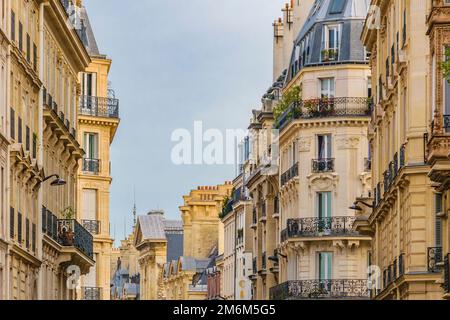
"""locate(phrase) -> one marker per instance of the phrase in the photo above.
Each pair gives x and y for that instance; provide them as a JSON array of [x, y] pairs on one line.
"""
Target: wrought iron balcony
[[91, 293], [326, 107], [434, 258], [49, 224], [322, 165], [321, 289], [289, 175], [318, 227], [72, 234], [93, 226], [91, 165], [99, 107]]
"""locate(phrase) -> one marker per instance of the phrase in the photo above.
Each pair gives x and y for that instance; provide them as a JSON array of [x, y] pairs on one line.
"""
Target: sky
[[176, 62]]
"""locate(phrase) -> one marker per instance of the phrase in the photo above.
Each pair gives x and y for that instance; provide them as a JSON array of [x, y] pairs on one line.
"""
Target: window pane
[[337, 6]]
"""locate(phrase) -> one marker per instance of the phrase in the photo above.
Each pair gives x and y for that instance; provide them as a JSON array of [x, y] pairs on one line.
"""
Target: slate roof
[[89, 38], [152, 227], [310, 41]]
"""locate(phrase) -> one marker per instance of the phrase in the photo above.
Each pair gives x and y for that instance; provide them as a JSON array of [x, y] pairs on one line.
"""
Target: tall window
[[89, 204], [324, 147], [324, 205], [91, 145], [89, 84], [438, 221], [327, 88], [446, 94], [325, 262], [331, 42]]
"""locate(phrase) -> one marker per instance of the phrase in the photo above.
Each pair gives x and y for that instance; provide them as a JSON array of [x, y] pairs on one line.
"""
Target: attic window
[[337, 6]]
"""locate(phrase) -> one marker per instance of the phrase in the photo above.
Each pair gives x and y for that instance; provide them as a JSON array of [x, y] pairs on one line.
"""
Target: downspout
[[235, 255], [8, 294], [40, 154]]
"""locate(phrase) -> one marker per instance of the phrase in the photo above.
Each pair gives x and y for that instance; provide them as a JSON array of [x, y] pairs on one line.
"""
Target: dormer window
[[331, 43], [337, 6]]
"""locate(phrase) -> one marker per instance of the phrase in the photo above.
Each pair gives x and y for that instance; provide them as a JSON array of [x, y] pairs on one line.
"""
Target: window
[[20, 36], [446, 94], [438, 221], [27, 233], [19, 227], [35, 57], [27, 138], [19, 130], [13, 124], [337, 6], [331, 43], [327, 88], [91, 145], [13, 26], [324, 205], [11, 223], [28, 48], [89, 204], [34, 145], [325, 261], [324, 147], [89, 84]]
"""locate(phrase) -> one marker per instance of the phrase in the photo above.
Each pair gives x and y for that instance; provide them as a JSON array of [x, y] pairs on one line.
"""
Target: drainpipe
[[40, 154], [8, 293]]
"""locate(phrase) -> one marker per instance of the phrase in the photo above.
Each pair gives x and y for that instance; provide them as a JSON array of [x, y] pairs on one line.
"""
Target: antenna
[[134, 207]]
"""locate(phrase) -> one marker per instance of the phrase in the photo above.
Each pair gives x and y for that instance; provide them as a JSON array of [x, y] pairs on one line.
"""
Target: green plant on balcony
[[289, 97], [68, 213], [445, 66], [226, 204], [329, 55]]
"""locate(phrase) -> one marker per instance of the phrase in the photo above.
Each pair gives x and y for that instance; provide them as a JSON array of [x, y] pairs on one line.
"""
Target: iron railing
[[91, 165], [326, 107], [317, 227], [72, 234], [434, 257], [322, 165], [99, 107], [290, 174], [91, 293], [49, 224], [93, 226], [321, 289]]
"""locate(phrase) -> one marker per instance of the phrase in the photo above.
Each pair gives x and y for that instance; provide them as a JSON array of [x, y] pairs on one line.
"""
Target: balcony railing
[[321, 289], [290, 174], [322, 165], [93, 226], [91, 293], [49, 224], [91, 165], [326, 107], [72, 234], [318, 227], [434, 258], [99, 107]]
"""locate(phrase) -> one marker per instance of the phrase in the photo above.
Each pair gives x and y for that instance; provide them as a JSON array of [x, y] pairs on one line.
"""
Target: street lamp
[[358, 208], [57, 182]]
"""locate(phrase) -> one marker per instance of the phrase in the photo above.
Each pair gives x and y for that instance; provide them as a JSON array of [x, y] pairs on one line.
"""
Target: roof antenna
[[134, 207]]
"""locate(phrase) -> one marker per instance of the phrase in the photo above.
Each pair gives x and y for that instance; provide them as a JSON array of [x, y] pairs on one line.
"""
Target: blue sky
[[176, 62]]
